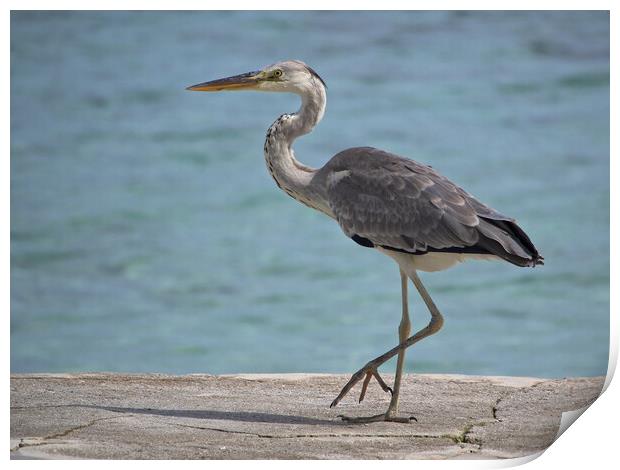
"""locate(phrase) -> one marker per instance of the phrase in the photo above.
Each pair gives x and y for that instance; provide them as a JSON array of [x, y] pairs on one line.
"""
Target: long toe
[[362, 419], [377, 418], [365, 373]]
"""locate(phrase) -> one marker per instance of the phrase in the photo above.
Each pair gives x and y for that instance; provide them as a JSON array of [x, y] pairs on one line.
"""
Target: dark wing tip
[[362, 241]]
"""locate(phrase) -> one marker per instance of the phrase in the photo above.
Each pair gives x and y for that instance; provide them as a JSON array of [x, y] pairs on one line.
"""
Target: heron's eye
[[277, 73]]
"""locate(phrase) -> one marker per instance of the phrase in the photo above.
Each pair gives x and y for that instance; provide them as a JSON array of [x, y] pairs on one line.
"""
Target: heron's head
[[292, 76]]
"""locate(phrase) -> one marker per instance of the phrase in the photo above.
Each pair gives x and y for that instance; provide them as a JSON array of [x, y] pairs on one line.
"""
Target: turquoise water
[[147, 235]]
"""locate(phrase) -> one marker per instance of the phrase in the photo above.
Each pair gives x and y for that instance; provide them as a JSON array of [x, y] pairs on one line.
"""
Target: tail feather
[[508, 241]]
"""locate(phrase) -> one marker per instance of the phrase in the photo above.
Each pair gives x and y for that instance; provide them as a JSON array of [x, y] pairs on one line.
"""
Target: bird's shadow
[[245, 416]]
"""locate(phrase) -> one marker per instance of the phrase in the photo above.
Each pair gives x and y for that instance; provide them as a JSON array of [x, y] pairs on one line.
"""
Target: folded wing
[[381, 199]]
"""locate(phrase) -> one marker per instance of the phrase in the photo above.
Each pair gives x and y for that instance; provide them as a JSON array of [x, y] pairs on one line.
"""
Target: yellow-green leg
[[404, 329], [371, 369]]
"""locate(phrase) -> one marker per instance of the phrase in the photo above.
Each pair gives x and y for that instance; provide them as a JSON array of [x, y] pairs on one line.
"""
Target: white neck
[[290, 175]]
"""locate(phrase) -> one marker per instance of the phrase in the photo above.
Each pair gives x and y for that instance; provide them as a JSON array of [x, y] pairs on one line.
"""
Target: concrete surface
[[116, 416]]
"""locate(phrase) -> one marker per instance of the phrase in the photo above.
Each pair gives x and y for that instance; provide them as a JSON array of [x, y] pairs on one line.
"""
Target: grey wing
[[393, 205], [380, 199]]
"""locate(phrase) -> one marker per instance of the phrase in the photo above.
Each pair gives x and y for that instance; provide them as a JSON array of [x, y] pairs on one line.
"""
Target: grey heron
[[402, 208]]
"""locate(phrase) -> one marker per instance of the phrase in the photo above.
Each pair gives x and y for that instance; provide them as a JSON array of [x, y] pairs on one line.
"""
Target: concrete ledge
[[284, 416]]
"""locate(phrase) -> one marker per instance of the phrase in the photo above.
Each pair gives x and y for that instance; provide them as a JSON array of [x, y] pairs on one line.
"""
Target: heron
[[402, 208]]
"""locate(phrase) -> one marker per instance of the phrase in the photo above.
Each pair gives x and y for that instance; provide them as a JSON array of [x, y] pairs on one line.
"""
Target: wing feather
[[399, 203], [381, 199]]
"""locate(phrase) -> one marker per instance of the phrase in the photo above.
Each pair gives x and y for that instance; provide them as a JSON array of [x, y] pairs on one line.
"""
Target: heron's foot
[[377, 418], [367, 372]]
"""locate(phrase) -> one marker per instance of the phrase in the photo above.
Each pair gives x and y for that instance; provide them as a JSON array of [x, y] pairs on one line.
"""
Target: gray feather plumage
[[402, 204]]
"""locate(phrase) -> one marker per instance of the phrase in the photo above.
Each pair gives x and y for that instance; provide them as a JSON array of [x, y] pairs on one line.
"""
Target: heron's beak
[[245, 81]]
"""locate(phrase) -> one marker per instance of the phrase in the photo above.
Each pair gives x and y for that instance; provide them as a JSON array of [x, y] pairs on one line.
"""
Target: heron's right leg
[[433, 327], [404, 329]]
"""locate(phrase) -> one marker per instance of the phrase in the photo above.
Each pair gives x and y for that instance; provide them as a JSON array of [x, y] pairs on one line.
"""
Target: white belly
[[431, 261]]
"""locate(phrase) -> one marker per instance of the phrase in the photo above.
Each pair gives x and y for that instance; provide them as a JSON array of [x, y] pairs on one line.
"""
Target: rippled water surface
[[147, 235]]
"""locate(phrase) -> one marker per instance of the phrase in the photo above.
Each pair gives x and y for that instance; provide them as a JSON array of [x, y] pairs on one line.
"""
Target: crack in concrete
[[43, 440], [495, 407], [38, 406], [463, 436], [19, 444], [502, 396], [452, 437]]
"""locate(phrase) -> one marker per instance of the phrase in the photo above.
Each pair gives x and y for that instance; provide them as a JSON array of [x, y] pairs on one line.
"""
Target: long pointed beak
[[245, 81]]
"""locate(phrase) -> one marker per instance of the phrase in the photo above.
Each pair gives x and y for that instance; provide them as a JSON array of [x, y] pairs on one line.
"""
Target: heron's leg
[[404, 329], [433, 326]]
